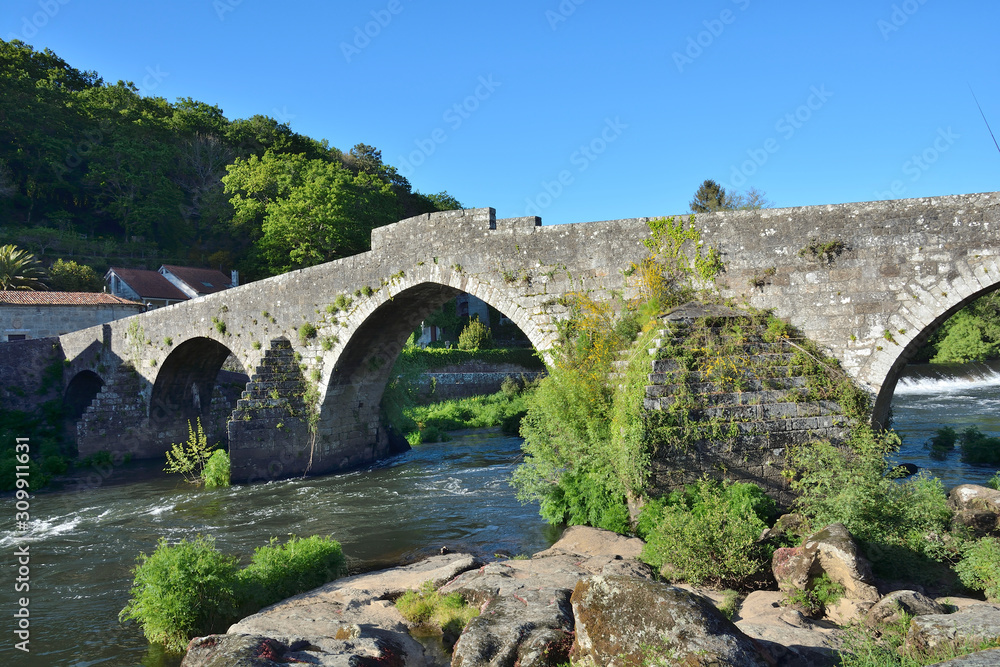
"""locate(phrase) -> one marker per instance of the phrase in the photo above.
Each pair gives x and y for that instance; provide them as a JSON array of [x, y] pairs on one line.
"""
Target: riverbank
[[589, 599]]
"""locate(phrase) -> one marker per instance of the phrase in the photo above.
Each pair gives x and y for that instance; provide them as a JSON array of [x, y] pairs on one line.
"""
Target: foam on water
[[977, 379]]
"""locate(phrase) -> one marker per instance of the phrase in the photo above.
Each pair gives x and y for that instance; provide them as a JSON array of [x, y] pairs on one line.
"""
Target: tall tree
[[710, 197], [19, 270]]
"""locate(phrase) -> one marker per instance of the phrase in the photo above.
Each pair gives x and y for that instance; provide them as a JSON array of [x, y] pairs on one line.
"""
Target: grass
[[427, 608]]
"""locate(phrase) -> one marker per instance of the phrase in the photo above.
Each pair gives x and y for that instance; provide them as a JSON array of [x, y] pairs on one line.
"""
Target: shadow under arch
[[80, 393], [350, 410], [185, 383], [883, 401]]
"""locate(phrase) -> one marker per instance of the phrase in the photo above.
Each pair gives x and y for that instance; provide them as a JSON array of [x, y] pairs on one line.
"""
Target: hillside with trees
[[95, 173]]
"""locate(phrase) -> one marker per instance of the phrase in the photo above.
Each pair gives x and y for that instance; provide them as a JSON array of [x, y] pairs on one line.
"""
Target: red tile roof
[[150, 284], [203, 281], [28, 298]]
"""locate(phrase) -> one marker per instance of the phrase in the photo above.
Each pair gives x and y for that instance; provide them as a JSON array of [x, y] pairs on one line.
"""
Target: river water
[[84, 543], [928, 397]]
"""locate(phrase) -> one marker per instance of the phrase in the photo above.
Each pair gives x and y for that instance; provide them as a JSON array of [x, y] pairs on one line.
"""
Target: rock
[[239, 650], [889, 608], [787, 524], [987, 658], [791, 638], [526, 614], [350, 618], [976, 623], [510, 631], [625, 620], [831, 551], [977, 507]]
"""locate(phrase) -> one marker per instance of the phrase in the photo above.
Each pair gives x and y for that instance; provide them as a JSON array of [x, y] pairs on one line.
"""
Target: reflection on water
[[83, 545], [930, 396]]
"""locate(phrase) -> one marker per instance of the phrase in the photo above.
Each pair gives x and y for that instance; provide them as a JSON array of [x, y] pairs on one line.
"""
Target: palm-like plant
[[19, 270]]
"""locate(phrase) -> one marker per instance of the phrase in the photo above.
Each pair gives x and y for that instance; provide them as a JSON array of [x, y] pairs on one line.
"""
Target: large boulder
[[831, 551], [976, 507], [891, 607], [627, 620], [934, 632], [988, 658], [239, 650], [526, 618]]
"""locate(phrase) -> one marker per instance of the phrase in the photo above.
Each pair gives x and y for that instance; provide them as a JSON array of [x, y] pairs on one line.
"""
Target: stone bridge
[[869, 282]]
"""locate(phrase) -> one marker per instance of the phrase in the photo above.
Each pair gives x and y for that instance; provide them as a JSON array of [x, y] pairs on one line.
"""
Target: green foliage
[[190, 458], [943, 442], [903, 525], [72, 277], [190, 588], [475, 336], [709, 197], [216, 472], [994, 481], [428, 423], [979, 568], [278, 571], [709, 534], [20, 270], [824, 252], [306, 333], [183, 590], [979, 448], [971, 334], [821, 593], [863, 648], [220, 325], [427, 607]]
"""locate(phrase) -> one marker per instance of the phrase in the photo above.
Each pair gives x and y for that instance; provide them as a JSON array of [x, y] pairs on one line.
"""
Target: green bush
[[943, 442], [994, 481], [979, 568], [278, 571], [582, 499], [217, 470], [821, 593], [709, 533], [190, 588], [191, 458], [447, 613], [979, 448], [183, 590], [475, 336], [900, 524], [306, 333]]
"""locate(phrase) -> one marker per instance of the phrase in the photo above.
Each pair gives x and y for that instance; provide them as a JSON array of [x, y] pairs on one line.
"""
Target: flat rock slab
[[791, 638], [976, 623], [350, 618], [987, 658]]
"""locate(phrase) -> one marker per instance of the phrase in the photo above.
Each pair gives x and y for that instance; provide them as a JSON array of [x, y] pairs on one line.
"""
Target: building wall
[[43, 321]]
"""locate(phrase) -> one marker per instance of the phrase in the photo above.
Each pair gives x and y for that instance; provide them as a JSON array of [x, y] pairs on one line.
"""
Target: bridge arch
[[922, 311], [80, 393], [185, 382], [351, 389]]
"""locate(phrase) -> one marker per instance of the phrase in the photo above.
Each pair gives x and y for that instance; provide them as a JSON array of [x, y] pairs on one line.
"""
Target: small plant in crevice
[[821, 594], [429, 609], [220, 326], [824, 252], [306, 333]]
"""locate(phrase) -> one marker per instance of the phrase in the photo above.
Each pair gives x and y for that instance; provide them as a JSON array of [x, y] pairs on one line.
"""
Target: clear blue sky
[[630, 104]]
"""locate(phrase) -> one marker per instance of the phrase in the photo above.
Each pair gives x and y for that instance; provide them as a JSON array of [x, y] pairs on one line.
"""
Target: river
[[83, 543], [455, 494]]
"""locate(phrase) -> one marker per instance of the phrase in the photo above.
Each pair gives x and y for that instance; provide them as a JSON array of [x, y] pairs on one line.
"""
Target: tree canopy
[[19, 270], [711, 196], [97, 172]]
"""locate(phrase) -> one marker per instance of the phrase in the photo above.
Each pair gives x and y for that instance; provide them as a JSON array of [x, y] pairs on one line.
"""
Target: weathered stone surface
[[239, 650], [791, 638], [526, 613], [834, 552], [976, 623], [977, 507], [349, 619], [889, 608], [786, 524], [987, 658], [620, 620]]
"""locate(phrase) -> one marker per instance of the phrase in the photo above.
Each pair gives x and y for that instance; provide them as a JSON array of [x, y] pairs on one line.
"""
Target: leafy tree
[[310, 211], [72, 277], [19, 270], [709, 197], [751, 200], [442, 201]]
